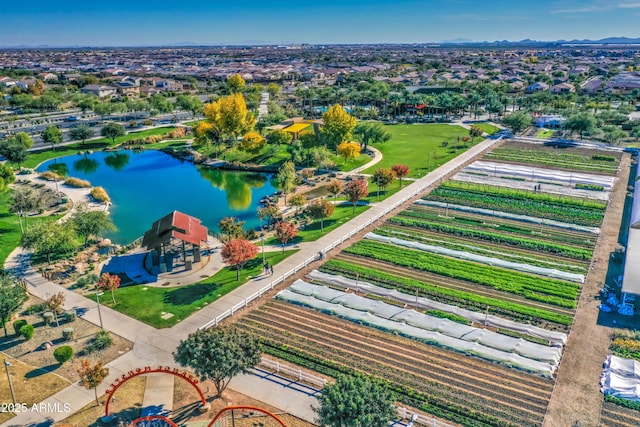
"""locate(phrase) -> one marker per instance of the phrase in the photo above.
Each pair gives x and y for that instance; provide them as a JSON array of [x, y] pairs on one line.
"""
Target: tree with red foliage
[[401, 171], [237, 252], [356, 190], [285, 231], [109, 282]]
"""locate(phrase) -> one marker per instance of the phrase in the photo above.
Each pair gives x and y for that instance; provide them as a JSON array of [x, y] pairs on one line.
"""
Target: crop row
[[581, 215], [525, 195], [494, 237], [562, 160], [455, 398], [551, 291], [531, 258], [464, 299]]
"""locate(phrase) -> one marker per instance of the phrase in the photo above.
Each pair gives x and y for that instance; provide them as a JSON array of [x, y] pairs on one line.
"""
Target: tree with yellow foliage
[[229, 116], [252, 141], [236, 83], [338, 126], [348, 150]]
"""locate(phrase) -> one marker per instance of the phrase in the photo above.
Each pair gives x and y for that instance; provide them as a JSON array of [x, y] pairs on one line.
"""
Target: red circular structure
[[135, 422], [251, 408], [149, 370]]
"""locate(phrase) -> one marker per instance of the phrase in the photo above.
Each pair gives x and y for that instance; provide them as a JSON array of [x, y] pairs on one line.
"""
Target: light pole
[[13, 395], [99, 313], [262, 237]]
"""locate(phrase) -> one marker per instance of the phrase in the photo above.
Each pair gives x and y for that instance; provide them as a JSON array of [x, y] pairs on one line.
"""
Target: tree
[[15, 153], [401, 171], [271, 213], [355, 401], [635, 132], [238, 252], [92, 376], [383, 177], [23, 201], [229, 116], [348, 150], [49, 238], [286, 178], [356, 190], [230, 228], [581, 123], [103, 109], [236, 83], [338, 125], [91, 223], [320, 209], [6, 174], [335, 187], [51, 135], [82, 132], [219, 354], [273, 89], [285, 231], [474, 131], [613, 134], [112, 130], [370, 133], [191, 104], [252, 141], [109, 282], [55, 302], [12, 296], [517, 121], [278, 137], [23, 139], [298, 200], [321, 157]]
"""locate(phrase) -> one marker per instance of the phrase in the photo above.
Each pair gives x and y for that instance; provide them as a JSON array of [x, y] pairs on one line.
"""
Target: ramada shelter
[[174, 240]]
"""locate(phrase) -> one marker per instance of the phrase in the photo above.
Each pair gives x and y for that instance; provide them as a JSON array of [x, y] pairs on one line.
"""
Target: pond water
[[144, 186]]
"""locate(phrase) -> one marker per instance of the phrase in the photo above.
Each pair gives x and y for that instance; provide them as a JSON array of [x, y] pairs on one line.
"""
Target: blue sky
[[131, 23]]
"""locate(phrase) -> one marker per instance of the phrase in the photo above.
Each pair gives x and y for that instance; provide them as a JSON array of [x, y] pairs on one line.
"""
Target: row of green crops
[[495, 237], [464, 299], [418, 235], [525, 195], [550, 291], [575, 214], [581, 162]]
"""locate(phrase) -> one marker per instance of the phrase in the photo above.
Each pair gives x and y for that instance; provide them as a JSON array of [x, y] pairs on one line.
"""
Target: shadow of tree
[[189, 294], [41, 371]]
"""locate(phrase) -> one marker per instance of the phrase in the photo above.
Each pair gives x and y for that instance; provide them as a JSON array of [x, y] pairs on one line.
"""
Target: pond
[[144, 186]]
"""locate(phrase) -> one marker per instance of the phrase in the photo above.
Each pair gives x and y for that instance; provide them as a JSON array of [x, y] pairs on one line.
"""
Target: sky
[[215, 22]]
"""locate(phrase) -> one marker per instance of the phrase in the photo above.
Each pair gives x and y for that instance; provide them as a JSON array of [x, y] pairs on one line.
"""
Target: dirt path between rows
[[576, 399]]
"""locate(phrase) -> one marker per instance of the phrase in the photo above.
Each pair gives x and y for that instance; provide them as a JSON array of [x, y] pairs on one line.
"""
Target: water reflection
[[117, 161], [237, 186], [60, 168], [86, 165]]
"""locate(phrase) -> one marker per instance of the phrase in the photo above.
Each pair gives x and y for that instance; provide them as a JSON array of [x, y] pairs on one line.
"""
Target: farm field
[[476, 255]]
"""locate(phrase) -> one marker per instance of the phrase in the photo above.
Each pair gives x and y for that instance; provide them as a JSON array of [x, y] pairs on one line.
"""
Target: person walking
[[266, 268], [271, 269]]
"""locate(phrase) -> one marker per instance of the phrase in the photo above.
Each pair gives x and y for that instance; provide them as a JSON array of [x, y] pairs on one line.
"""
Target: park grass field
[[419, 146], [148, 304], [488, 128]]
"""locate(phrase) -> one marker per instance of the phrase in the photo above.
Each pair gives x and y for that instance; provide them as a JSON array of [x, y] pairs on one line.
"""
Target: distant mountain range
[[529, 42]]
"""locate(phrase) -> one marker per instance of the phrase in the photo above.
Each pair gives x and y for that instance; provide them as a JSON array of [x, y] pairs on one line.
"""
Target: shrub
[[36, 308], [70, 315], [100, 195], [87, 280], [27, 331], [67, 334], [63, 354], [147, 122], [50, 176], [153, 139], [101, 341], [603, 158], [179, 132], [78, 183], [19, 324]]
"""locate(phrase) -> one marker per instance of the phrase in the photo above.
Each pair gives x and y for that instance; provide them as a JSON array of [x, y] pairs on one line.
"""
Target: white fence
[[418, 187], [299, 375]]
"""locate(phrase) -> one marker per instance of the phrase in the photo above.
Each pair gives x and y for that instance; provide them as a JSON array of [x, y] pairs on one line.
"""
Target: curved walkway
[[153, 346]]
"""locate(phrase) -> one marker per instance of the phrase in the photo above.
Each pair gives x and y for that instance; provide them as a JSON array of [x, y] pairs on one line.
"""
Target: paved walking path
[[154, 346]]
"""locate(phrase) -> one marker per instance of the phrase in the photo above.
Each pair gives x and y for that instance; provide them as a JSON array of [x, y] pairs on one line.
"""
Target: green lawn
[[545, 133], [410, 145], [312, 232], [148, 304], [36, 158], [362, 159], [488, 128], [10, 234]]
